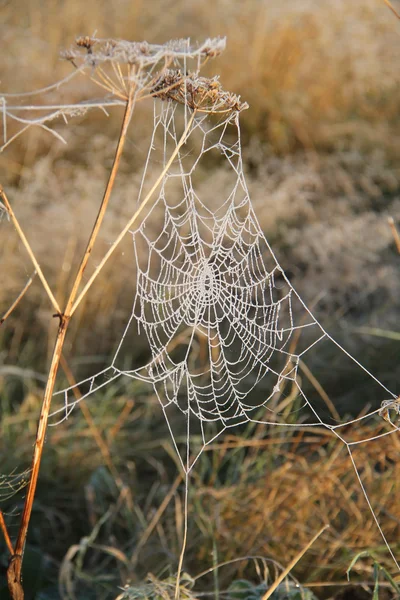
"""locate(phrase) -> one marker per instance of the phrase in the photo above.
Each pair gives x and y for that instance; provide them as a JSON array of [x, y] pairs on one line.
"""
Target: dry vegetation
[[321, 150], [263, 494], [317, 79]]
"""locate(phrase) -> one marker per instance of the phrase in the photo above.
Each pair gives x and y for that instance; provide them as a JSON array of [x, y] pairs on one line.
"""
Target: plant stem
[[4, 530], [290, 566], [390, 5], [40, 436], [134, 217], [17, 300], [155, 520], [395, 233], [29, 250], [15, 566], [104, 203]]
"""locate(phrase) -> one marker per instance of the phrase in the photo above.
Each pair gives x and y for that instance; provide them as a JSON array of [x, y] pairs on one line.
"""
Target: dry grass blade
[[155, 520], [390, 5], [28, 248], [134, 217], [316, 384], [104, 449], [290, 566], [18, 299], [7, 538], [396, 235]]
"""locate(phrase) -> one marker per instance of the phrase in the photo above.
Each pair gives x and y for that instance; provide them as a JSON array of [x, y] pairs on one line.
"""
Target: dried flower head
[[90, 50], [144, 69], [198, 93], [390, 405], [127, 72]]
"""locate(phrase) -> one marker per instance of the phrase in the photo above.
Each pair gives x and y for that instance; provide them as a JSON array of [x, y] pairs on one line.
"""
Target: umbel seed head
[[159, 70]]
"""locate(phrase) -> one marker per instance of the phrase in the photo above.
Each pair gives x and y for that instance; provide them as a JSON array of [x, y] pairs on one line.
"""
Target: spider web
[[227, 333]]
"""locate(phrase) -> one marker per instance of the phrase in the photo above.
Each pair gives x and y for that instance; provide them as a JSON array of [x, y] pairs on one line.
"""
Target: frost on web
[[211, 278], [207, 275], [228, 336], [230, 342], [225, 329]]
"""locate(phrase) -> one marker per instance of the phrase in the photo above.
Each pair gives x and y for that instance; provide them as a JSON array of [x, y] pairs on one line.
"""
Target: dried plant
[[128, 72]]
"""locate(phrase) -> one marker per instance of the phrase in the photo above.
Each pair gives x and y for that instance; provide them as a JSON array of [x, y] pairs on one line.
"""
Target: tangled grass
[[264, 494]]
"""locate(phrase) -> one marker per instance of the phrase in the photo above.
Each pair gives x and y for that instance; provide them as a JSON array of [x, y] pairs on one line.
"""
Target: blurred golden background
[[321, 142]]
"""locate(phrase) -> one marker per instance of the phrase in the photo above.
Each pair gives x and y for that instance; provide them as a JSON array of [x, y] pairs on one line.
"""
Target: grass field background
[[321, 142]]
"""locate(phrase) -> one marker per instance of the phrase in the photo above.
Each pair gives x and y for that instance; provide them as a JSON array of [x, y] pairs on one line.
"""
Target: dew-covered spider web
[[227, 334]]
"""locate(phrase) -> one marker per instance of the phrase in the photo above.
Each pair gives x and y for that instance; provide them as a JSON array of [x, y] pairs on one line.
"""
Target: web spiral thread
[[226, 331]]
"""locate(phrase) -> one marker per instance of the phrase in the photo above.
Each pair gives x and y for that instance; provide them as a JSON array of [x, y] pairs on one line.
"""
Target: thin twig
[[133, 218], [184, 541], [17, 300], [394, 11], [104, 204], [15, 567], [290, 566], [38, 449], [395, 233], [29, 250], [92, 425], [6, 535], [155, 519], [316, 384]]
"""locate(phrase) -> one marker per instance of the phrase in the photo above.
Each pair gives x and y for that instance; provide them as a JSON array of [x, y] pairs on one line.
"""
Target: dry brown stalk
[[290, 566], [16, 563], [18, 299], [106, 198], [395, 233], [133, 219], [155, 520], [105, 452], [14, 578], [392, 8], [7, 538], [316, 384], [127, 71], [29, 250]]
